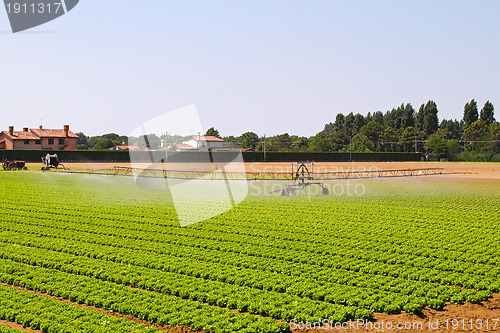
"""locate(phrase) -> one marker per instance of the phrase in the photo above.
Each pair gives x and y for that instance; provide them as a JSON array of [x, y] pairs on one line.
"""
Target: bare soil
[[19, 327], [451, 170]]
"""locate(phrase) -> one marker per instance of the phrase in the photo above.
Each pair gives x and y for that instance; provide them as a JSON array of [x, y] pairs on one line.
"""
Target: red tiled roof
[[17, 135], [208, 138], [53, 133]]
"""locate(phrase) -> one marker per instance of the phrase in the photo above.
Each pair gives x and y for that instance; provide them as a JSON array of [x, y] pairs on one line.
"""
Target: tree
[[378, 117], [340, 140], [212, 132], [372, 131], [360, 144], [358, 123], [103, 144], [249, 140], [390, 119], [452, 128], [431, 121], [300, 144], [470, 113], [437, 143], [339, 122], [111, 136], [477, 131], [368, 118], [82, 139], [320, 143], [488, 113], [349, 124], [388, 138], [408, 117], [494, 137], [329, 129], [280, 142], [409, 136]]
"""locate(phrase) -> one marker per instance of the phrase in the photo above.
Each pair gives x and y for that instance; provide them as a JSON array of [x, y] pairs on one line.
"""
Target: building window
[[26, 142], [61, 141], [51, 141], [38, 142]]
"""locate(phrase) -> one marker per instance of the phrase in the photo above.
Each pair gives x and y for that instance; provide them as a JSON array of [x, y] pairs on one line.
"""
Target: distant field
[[479, 171], [97, 253]]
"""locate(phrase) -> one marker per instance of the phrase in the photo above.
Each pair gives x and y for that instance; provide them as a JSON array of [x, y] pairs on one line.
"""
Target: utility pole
[[264, 148]]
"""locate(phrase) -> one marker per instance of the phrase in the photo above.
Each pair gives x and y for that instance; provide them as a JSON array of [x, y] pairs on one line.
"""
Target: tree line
[[401, 129]]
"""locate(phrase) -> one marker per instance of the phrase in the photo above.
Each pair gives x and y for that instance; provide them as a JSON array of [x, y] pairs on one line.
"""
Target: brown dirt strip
[[170, 329], [477, 171], [18, 327]]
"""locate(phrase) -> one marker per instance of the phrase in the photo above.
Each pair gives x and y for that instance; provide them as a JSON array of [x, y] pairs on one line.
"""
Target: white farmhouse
[[201, 143]]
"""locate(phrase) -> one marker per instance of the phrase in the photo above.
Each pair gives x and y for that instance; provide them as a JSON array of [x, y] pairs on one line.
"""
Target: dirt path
[[19, 327]]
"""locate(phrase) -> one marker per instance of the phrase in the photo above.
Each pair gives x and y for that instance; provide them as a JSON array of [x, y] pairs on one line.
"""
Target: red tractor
[[14, 165]]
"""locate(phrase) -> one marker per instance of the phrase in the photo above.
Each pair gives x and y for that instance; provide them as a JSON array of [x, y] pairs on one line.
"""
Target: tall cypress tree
[[470, 113], [431, 121], [339, 122], [408, 119], [488, 113]]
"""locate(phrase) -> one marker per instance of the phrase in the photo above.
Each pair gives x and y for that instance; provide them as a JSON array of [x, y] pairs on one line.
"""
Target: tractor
[[14, 165]]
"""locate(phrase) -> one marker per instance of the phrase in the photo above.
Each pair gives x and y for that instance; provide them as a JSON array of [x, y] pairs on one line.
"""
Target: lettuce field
[[98, 254]]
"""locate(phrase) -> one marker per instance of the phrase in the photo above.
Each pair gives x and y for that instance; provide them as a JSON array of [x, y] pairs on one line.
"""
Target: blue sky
[[264, 66]]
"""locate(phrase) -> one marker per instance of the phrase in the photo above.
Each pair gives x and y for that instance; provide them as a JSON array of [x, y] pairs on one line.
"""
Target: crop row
[[348, 261], [216, 293], [153, 307], [300, 286], [50, 315], [242, 298], [8, 329], [390, 250]]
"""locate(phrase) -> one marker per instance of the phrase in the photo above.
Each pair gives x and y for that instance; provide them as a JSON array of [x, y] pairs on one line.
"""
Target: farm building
[[39, 138], [128, 148], [202, 143]]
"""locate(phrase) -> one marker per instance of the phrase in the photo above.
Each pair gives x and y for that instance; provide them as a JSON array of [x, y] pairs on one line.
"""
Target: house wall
[[56, 145], [19, 144], [204, 145], [7, 142], [10, 144]]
